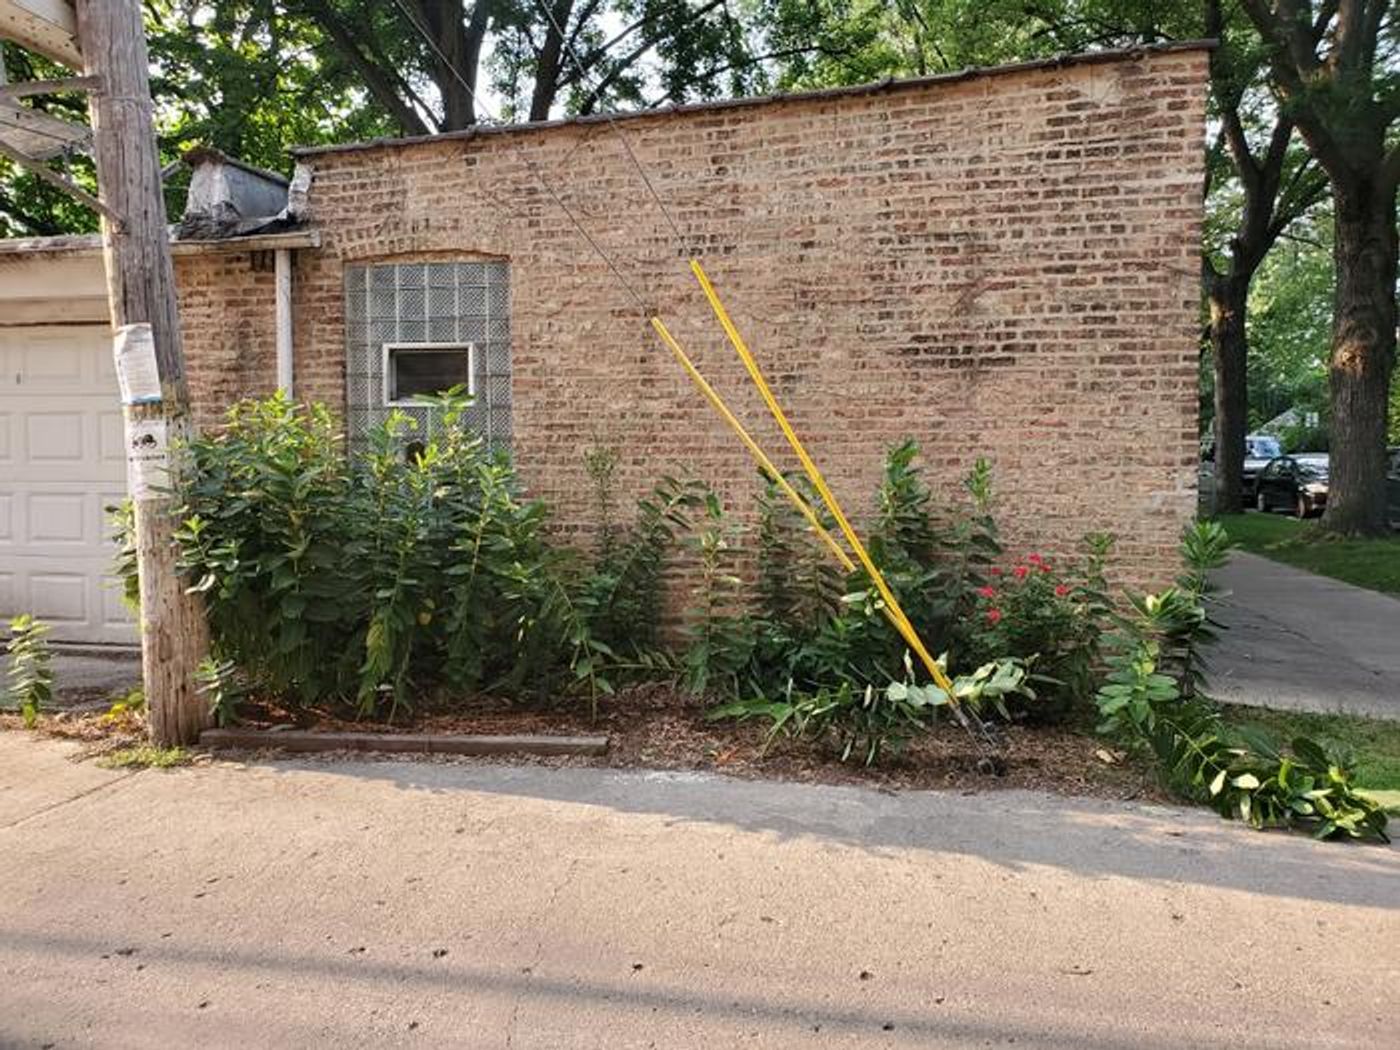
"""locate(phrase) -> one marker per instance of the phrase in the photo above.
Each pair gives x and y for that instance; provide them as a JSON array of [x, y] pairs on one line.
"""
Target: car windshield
[[1313, 469]]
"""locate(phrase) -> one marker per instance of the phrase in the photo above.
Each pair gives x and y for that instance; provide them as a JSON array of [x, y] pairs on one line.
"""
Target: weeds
[[1154, 696], [30, 674]]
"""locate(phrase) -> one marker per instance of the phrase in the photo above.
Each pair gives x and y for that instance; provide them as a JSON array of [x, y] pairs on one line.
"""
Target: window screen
[[416, 324], [415, 370]]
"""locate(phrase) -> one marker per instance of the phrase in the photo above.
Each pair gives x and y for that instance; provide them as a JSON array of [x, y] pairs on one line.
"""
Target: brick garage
[[1001, 264]]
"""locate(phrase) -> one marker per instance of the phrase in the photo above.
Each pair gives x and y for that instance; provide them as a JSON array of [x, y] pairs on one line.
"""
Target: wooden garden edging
[[418, 743]]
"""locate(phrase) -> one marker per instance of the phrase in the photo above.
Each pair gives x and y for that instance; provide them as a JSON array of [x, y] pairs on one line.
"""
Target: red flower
[[1044, 567], [987, 592], [1034, 559], [1020, 572], [995, 570], [994, 616], [1061, 590]]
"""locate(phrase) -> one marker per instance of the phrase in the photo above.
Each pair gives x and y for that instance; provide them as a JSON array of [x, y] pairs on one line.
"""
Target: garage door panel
[[63, 456], [58, 518], [60, 598], [111, 440], [56, 438], [116, 617], [52, 361]]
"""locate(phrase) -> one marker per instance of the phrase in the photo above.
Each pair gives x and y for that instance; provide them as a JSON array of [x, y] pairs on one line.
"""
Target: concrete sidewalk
[[1302, 641], [431, 905]]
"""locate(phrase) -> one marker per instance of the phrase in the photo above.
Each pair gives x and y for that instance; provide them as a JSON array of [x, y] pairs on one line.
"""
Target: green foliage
[[121, 517], [623, 595], [130, 705], [30, 674], [146, 756], [219, 682], [799, 587], [719, 636], [1152, 696], [867, 722], [326, 578]]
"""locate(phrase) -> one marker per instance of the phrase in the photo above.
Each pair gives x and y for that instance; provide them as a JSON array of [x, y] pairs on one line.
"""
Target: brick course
[[1004, 266]]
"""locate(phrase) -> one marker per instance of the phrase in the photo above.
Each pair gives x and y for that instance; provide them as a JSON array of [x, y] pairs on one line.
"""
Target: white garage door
[[61, 463]]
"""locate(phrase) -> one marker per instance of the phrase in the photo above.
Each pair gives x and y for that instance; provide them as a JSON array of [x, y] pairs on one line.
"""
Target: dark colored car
[[1297, 484]]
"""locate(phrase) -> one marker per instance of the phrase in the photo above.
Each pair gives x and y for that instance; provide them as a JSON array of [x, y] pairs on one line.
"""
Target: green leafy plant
[[1153, 696], [219, 682], [131, 705], [1035, 610], [413, 564], [622, 596], [30, 674], [121, 517], [719, 637], [866, 722]]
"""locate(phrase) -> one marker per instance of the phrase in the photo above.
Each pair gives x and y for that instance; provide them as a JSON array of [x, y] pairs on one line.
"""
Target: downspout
[[283, 269]]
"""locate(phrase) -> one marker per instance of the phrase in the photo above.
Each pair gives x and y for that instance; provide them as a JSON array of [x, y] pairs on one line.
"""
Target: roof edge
[[1082, 58], [196, 155], [91, 243]]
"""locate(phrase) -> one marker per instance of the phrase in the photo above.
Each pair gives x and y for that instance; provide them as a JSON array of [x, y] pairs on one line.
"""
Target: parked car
[[1297, 484], [1259, 450]]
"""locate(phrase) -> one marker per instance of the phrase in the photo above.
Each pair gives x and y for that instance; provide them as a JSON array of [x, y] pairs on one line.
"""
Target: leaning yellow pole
[[896, 613], [763, 461]]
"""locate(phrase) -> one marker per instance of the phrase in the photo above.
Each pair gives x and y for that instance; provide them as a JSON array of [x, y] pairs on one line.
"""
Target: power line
[[534, 168], [611, 118]]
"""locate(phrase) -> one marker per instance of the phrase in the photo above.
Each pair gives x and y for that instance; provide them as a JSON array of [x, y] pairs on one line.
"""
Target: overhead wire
[[671, 343], [890, 604], [544, 183], [898, 617]]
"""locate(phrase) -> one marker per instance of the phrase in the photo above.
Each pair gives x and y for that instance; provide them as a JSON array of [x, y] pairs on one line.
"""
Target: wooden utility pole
[[141, 290]]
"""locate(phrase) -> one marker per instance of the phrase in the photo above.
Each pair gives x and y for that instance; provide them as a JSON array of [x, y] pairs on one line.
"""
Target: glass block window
[[411, 327]]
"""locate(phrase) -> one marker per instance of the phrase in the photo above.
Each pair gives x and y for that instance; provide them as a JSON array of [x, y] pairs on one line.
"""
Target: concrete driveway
[[1302, 641], [437, 905]]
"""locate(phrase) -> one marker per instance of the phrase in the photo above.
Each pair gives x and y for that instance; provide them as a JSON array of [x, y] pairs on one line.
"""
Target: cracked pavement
[[452, 904]]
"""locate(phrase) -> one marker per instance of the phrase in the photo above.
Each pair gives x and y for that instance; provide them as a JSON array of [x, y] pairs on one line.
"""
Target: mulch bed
[[658, 727]]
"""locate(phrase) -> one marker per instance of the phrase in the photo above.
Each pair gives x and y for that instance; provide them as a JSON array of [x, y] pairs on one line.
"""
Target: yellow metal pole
[[763, 461], [897, 616]]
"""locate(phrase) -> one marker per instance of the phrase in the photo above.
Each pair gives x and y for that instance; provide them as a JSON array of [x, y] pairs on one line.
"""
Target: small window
[[414, 370]]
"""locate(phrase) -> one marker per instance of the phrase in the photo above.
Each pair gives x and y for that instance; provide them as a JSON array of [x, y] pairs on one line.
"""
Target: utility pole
[[150, 359]]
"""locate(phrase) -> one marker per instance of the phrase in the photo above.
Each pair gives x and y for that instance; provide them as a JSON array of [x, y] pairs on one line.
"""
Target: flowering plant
[[1035, 608]]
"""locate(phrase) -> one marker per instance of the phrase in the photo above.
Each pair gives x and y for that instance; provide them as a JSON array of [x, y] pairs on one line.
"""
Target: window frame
[[388, 373]]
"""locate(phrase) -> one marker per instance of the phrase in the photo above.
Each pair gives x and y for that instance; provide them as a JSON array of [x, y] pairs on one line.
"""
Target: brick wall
[[1005, 265], [227, 315]]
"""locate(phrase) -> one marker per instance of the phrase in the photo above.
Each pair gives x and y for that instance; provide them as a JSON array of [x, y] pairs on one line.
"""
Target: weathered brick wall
[[1005, 266], [227, 314]]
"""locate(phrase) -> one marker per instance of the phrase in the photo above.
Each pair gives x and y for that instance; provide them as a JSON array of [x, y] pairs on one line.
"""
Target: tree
[[1266, 185], [30, 207], [1336, 72], [1290, 326], [1258, 178], [422, 61]]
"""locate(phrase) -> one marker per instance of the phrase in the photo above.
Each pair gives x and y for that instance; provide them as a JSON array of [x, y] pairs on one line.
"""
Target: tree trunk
[[1363, 355], [549, 66], [141, 289], [1228, 297]]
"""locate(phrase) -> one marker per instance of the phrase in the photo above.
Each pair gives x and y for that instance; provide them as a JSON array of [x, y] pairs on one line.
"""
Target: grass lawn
[[1373, 564], [1372, 743]]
